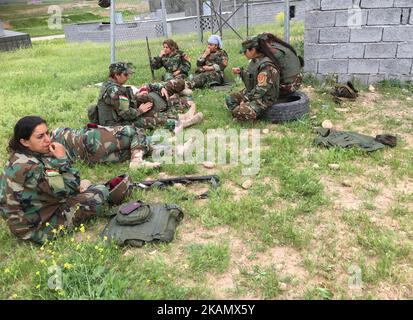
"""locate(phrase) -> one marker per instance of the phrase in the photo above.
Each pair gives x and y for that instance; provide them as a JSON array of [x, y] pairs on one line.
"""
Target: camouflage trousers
[[102, 144], [170, 76], [293, 86], [242, 109], [76, 210], [206, 79]]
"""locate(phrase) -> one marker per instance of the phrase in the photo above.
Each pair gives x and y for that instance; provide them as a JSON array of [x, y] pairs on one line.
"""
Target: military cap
[[248, 44], [122, 67], [119, 188]]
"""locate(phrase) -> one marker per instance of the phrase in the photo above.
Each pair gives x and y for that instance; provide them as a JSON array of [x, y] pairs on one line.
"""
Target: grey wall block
[[311, 35], [399, 33], [335, 34], [333, 66], [313, 4], [366, 34], [363, 66], [317, 19], [381, 50], [318, 51], [396, 66], [403, 3], [343, 16], [311, 66], [349, 50], [384, 16], [336, 4], [376, 3], [405, 50], [405, 16]]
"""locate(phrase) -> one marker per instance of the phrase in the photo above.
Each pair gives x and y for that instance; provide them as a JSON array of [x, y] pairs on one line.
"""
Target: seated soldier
[[40, 191], [291, 64], [175, 61], [210, 65], [117, 105], [261, 81]]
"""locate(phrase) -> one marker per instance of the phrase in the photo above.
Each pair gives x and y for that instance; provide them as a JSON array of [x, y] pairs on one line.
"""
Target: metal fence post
[[164, 23], [287, 21], [112, 32]]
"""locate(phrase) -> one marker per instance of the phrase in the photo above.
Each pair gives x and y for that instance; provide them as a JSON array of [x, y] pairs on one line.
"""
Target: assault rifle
[[162, 183], [150, 59]]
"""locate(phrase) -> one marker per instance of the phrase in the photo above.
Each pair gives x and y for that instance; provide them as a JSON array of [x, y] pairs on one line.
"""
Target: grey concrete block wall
[[379, 46]]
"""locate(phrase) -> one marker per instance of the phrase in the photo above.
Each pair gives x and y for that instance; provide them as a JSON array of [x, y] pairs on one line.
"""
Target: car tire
[[288, 108]]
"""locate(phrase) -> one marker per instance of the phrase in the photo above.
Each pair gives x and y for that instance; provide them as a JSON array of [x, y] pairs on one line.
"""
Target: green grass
[[294, 214]]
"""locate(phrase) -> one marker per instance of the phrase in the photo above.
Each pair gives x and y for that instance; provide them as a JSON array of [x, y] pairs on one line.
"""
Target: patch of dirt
[[343, 197], [236, 189]]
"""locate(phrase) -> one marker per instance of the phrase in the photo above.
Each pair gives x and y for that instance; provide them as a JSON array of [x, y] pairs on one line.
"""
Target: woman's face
[[39, 141], [166, 49], [121, 78], [212, 47], [250, 53]]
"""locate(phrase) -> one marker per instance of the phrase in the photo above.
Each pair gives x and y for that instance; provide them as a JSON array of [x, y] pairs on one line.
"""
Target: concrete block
[[313, 4], [361, 79], [403, 3], [310, 66], [376, 3], [400, 33], [405, 15], [343, 16], [380, 50], [396, 66], [384, 16], [398, 77], [344, 77], [411, 17], [405, 50], [318, 51], [317, 19], [336, 4], [332, 66], [374, 78], [335, 34], [363, 66], [366, 34], [311, 35], [349, 50]]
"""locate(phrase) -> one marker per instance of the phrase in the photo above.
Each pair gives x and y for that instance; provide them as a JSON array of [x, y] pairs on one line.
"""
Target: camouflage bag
[[343, 92], [136, 223]]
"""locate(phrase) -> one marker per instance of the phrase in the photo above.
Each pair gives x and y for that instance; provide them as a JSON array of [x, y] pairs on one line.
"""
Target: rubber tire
[[288, 111]]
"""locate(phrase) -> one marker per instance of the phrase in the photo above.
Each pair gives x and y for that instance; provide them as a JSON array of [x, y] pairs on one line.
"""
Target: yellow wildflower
[[105, 238], [73, 239], [47, 224], [67, 266], [14, 295], [61, 227], [7, 270], [42, 261], [37, 273], [88, 237], [82, 228], [38, 286], [54, 231]]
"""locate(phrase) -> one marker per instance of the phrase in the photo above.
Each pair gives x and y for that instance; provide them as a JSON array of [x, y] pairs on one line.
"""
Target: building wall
[[372, 43]]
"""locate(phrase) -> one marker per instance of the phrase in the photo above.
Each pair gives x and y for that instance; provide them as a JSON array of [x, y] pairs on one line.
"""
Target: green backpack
[[136, 223], [93, 114]]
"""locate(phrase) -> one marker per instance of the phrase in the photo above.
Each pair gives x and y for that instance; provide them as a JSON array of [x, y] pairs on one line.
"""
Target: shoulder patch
[[123, 102], [262, 79]]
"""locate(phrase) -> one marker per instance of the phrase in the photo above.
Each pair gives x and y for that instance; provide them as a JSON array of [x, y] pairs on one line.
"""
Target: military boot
[[138, 162]]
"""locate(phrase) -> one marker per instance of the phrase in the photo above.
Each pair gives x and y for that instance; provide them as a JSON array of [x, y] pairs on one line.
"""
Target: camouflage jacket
[[175, 61], [217, 59], [116, 105], [289, 62], [261, 81], [32, 187]]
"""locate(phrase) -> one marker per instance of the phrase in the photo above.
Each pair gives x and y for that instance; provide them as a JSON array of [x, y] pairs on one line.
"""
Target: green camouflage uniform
[[290, 77], [118, 106], [261, 81], [101, 144], [217, 59], [175, 61], [39, 193]]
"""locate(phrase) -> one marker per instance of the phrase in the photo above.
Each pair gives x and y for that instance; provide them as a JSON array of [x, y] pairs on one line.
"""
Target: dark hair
[[265, 50], [23, 130], [269, 37], [171, 44]]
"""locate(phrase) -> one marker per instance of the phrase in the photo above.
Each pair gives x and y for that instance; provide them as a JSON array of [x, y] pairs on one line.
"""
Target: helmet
[[104, 3], [122, 67], [119, 188]]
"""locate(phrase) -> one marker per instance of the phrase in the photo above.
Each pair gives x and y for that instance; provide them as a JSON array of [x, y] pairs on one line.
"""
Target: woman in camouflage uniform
[[261, 80], [39, 189], [175, 61], [118, 105], [98, 144], [210, 65], [291, 64]]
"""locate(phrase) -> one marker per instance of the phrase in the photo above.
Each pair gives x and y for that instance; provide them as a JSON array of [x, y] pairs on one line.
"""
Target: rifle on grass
[[162, 183], [150, 59]]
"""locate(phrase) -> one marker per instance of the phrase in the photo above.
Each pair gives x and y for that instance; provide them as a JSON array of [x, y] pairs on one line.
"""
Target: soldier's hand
[[145, 107], [177, 72], [162, 53], [164, 93], [236, 70], [208, 68], [57, 150], [206, 53]]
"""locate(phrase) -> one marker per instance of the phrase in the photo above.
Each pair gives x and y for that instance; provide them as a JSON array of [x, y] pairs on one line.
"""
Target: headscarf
[[215, 39]]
